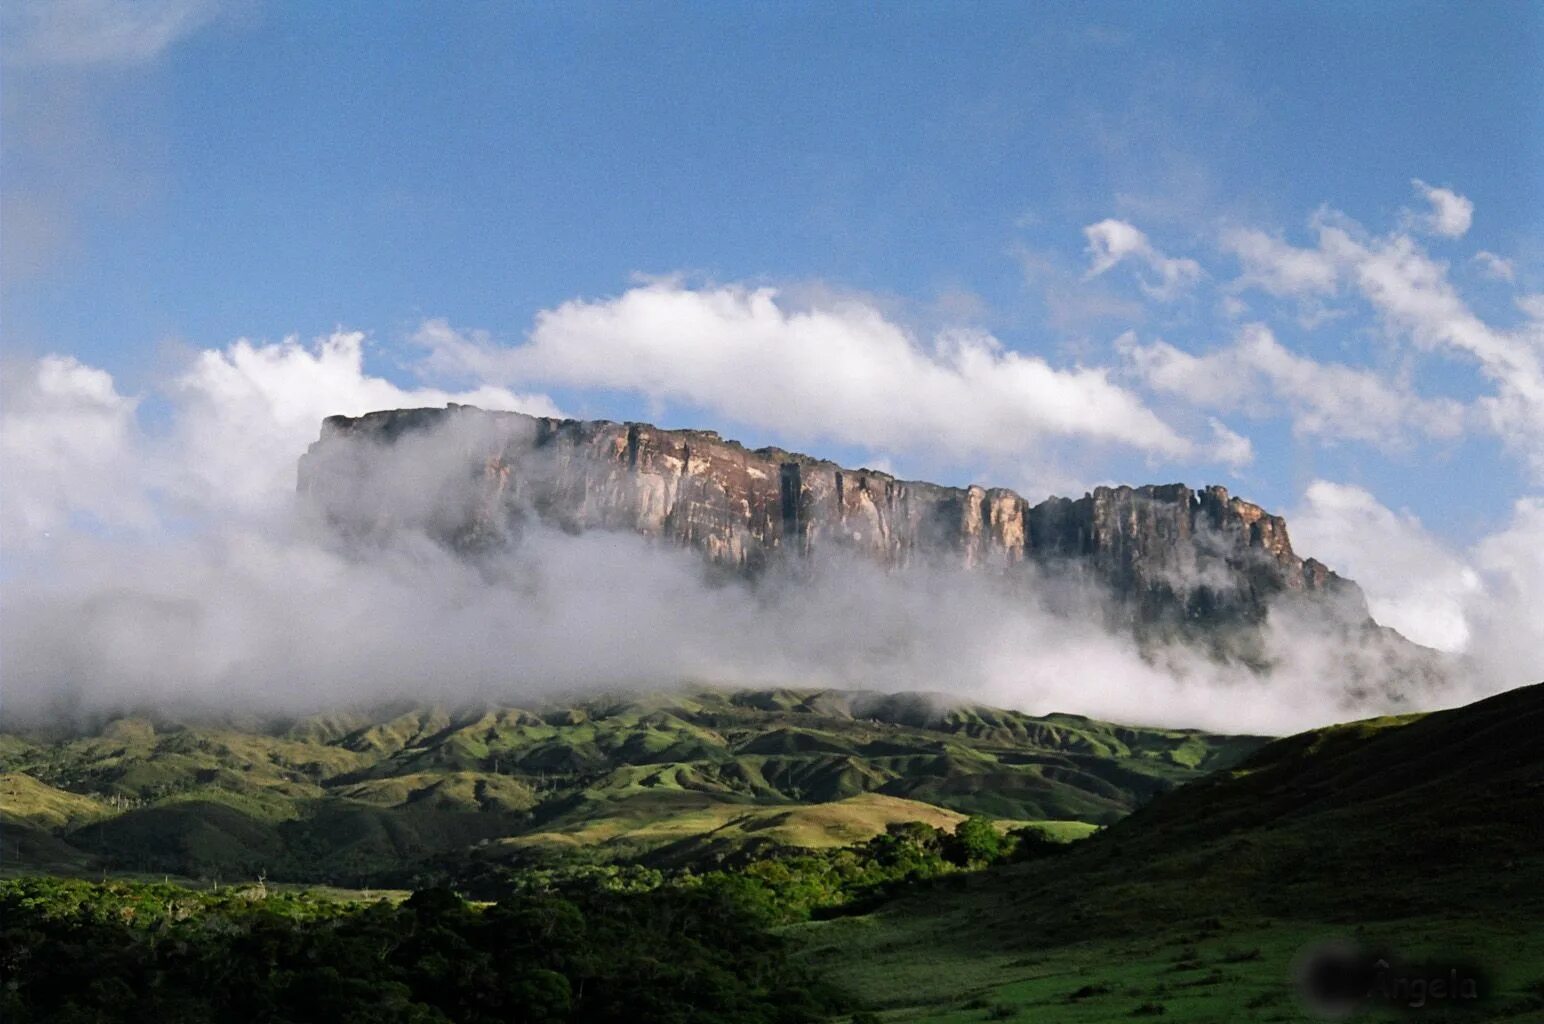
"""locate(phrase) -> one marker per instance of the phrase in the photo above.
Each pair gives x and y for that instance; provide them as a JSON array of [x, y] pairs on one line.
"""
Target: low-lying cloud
[[1481, 603], [155, 550], [176, 568]]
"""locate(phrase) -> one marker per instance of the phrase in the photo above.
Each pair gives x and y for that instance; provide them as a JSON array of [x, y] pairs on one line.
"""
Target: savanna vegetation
[[394, 796], [1415, 839], [592, 943]]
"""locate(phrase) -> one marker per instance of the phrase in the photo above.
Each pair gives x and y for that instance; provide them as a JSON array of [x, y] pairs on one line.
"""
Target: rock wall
[[473, 478]]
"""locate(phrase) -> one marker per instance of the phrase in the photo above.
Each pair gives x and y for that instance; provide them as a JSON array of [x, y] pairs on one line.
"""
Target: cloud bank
[[1257, 374], [76, 454], [1481, 602], [838, 372], [179, 568], [155, 550]]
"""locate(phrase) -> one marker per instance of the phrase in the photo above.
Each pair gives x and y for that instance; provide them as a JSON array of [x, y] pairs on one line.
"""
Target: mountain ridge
[[1170, 553], [347, 795]]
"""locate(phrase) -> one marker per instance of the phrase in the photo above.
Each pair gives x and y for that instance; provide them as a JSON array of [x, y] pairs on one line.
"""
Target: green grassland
[[352, 796], [1417, 838], [1420, 836]]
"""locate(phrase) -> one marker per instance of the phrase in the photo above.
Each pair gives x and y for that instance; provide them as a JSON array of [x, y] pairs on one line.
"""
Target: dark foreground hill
[[1418, 840], [360, 798]]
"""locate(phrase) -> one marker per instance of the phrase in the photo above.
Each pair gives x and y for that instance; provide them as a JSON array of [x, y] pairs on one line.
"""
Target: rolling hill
[[1416, 839], [349, 796]]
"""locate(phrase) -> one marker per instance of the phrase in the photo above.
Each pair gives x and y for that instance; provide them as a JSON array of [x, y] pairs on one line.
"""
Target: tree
[[975, 841]]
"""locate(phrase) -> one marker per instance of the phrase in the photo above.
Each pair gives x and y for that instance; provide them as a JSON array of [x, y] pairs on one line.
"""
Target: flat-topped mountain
[[475, 479]]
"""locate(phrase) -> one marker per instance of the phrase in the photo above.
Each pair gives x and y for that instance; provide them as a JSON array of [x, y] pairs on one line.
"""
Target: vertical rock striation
[[474, 478]]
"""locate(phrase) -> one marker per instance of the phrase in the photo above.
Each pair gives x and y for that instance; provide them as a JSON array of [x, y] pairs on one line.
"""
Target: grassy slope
[[341, 795], [1421, 835]]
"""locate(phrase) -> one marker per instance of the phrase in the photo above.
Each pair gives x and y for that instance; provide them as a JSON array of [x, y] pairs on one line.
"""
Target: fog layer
[[175, 568]]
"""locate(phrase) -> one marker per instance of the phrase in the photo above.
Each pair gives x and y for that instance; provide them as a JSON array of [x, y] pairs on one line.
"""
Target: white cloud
[[834, 372], [1413, 294], [1414, 298], [1277, 267], [1532, 305], [235, 601], [1230, 448], [101, 32], [1231, 307], [1482, 601], [1510, 651], [242, 416], [1495, 266], [1111, 242], [1451, 214], [1412, 581], [65, 437], [257, 406], [1328, 400]]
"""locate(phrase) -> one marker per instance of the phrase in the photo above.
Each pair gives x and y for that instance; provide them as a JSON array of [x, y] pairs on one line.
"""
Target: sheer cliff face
[[473, 478]]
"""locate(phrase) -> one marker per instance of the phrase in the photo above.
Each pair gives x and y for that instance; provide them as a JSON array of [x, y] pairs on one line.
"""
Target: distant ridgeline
[[357, 797], [1198, 564]]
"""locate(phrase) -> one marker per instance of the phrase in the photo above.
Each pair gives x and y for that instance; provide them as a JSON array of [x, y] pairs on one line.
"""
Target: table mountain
[[474, 479]]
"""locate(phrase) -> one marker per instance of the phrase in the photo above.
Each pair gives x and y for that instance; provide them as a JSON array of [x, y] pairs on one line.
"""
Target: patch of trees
[[784, 886], [75, 951], [598, 944]]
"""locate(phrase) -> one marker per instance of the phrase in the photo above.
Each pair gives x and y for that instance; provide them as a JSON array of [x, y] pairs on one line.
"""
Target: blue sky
[[183, 173]]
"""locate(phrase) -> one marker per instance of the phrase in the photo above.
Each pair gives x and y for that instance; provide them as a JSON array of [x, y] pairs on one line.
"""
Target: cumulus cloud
[[1277, 267], [1231, 448], [1510, 648], [238, 596], [65, 432], [1413, 582], [840, 371], [1451, 214], [1415, 298], [1532, 305], [1111, 242], [252, 408], [1480, 602], [242, 416], [1327, 400]]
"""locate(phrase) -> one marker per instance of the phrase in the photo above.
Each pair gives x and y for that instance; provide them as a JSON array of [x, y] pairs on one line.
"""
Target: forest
[[593, 943]]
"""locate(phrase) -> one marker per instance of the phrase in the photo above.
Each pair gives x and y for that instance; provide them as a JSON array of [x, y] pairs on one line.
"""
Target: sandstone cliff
[[1167, 553]]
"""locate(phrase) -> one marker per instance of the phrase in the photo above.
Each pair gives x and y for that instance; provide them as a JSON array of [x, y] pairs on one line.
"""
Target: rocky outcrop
[[474, 479]]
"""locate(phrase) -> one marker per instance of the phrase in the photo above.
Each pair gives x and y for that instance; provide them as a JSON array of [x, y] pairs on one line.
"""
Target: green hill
[[346, 796], [1417, 839]]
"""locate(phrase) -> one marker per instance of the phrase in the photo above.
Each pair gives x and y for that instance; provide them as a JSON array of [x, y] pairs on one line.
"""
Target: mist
[[178, 570]]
